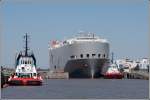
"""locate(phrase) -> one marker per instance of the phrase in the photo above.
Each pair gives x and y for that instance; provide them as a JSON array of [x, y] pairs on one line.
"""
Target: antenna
[[112, 59]]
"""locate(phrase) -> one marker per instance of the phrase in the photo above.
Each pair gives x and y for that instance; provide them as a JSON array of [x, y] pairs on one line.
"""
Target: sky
[[124, 23]]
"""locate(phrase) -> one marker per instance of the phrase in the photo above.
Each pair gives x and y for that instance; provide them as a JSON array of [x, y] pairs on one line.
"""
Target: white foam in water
[[92, 64], [92, 72]]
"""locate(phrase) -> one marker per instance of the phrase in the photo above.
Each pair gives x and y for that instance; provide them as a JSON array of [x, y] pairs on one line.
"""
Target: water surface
[[81, 88]]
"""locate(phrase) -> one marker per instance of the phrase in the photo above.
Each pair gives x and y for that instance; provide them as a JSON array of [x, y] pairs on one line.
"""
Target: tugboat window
[[19, 74], [81, 55], [25, 62], [34, 74]]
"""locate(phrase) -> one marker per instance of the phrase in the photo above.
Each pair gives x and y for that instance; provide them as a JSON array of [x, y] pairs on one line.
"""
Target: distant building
[[143, 63], [126, 63]]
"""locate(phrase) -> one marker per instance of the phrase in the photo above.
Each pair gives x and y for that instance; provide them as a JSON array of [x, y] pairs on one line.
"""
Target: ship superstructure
[[85, 55]]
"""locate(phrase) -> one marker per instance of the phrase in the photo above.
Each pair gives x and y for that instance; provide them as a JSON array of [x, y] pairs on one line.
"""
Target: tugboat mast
[[26, 44]]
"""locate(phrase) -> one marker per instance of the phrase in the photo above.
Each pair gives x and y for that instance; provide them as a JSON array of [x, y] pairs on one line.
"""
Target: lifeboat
[[113, 72], [25, 69]]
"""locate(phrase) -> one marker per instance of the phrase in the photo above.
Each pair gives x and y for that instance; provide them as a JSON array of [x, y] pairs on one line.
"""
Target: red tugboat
[[113, 72], [25, 73]]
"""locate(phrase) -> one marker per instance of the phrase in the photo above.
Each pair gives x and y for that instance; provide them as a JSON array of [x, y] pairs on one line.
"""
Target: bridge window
[[87, 55], [104, 55], [99, 55], [72, 56], [81, 55], [93, 55], [25, 62]]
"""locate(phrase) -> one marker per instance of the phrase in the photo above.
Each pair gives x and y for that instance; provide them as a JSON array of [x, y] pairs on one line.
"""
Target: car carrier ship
[[83, 56]]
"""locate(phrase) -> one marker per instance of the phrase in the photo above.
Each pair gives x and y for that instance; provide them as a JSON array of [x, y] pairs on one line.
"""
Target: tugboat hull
[[25, 81], [113, 76], [25, 72]]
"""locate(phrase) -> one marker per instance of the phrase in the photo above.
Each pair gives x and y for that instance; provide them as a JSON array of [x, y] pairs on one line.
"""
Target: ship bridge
[[79, 38]]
